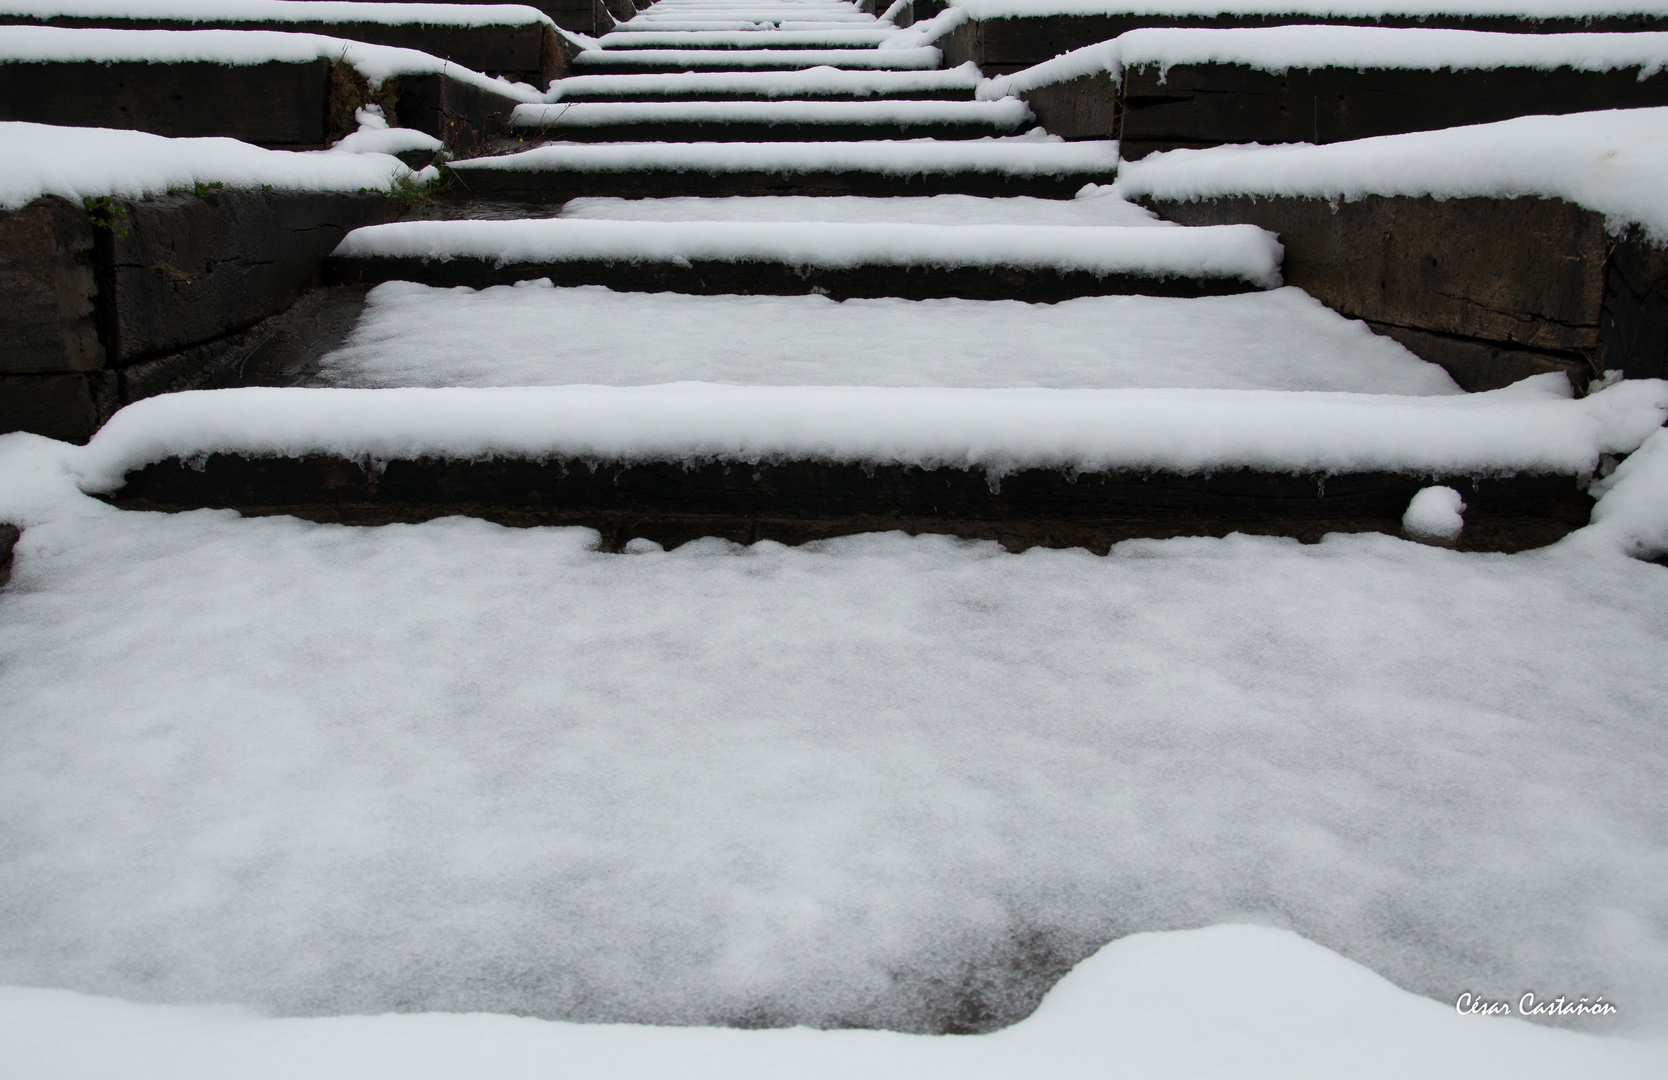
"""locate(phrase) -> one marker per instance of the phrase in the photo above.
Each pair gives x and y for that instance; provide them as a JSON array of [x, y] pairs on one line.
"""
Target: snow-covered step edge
[[773, 84], [1533, 427], [855, 38], [1278, 49], [1242, 252], [1611, 162], [284, 11], [1005, 114], [378, 63], [918, 59], [1010, 157]]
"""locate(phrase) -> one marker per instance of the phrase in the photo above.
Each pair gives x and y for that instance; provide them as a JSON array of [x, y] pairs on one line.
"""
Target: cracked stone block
[[188, 268], [47, 290]]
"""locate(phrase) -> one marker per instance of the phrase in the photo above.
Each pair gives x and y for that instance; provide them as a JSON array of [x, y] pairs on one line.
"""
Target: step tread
[[770, 85], [1019, 156], [917, 59]]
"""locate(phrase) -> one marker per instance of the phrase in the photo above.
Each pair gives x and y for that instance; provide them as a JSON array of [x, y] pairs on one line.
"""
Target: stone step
[[296, 91], [1021, 166], [1322, 84], [764, 121], [1026, 262], [854, 38], [1027, 467], [1005, 36], [955, 84], [516, 42], [655, 61]]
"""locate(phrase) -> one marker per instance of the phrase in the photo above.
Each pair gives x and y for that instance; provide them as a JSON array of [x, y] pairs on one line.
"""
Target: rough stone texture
[[275, 104], [704, 278], [1196, 105], [69, 407], [516, 49], [463, 116], [1086, 107], [194, 267], [795, 502], [47, 290], [9, 535], [1492, 289], [1633, 329], [1003, 46]]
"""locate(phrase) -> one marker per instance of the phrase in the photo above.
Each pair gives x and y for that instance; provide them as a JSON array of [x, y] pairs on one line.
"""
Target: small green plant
[[202, 189], [414, 192], [105, 214]]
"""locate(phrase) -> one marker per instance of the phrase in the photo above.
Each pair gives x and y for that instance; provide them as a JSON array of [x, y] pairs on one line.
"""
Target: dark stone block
[[273, 104], [795, 502], [1633, 332], [1523, 279], [523, 50], [1197, 105], [193, 268], [1083, 108], [1003, 46], [47, 290], [69, 407], [463, 116], [553, 186], [780, 279], [9, 536]]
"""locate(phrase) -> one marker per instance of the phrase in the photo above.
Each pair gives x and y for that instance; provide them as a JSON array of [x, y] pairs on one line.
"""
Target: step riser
[[704, 278], [552, 187], [797, 502], [687, 133], [607, 67]]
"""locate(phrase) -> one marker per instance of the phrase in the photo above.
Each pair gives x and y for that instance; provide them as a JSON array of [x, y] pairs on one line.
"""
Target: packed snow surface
[[875, 59], [1244, 252], [1095, 205], [1435, 513], [1017, 156], [78, 163], [281, 11], [416, 335], [57, 44], [1006, 113], [1530, 427], [1117, 1006], [818, 81], [1526, 9], [1612, 162], [856, 37], [1633, 513], [1280, 48], [879, 780]]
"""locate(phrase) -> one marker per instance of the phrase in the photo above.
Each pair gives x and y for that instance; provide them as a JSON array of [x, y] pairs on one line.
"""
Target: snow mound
[[1435, 515], [1228, 1002], [78, 163], [1611, 162]]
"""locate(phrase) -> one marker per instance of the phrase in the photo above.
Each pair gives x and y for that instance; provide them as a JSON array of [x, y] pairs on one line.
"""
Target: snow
[[855, 37], [1245, 252], [1633, 513], [773, 84], [375, 136], [867, 59], [56, 44], [1611, 162], [1007, 113], [416, 335], [1253, 995], [318, 769], [1278, 49], [1528, 9], [78, 163], [1435, 515], [1530, 427], [1021, 156], [281, 11], [1093, 206]]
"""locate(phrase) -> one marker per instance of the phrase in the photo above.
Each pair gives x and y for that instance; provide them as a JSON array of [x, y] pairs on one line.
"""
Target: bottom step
[[1026, 467]]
